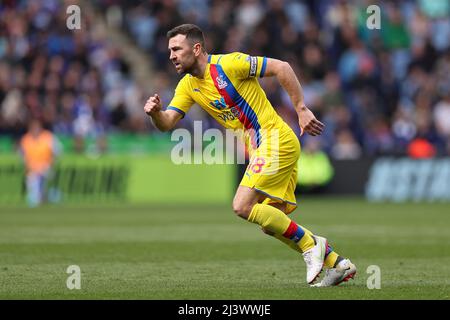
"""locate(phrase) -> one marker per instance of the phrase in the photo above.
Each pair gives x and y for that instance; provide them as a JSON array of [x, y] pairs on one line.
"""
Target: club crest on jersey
[[220, 82]]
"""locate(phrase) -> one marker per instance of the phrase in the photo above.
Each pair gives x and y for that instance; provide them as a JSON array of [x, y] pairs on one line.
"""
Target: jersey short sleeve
[[182, 100], [242, 65]]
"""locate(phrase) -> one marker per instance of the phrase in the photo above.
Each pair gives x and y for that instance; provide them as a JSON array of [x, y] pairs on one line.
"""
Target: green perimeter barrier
[[122, 143], [11, 180], [157, 179], [122, 178]]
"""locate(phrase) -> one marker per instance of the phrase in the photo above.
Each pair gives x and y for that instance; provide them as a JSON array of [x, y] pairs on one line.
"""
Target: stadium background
[[384, 96]]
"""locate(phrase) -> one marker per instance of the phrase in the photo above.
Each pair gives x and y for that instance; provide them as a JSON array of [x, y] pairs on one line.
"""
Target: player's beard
[[189, 69]]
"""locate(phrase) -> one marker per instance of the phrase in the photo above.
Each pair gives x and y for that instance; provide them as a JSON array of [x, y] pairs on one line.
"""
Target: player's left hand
[[309, 123]]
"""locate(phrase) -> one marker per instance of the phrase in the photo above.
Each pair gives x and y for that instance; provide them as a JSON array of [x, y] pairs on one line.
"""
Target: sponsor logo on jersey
[[229, 115]]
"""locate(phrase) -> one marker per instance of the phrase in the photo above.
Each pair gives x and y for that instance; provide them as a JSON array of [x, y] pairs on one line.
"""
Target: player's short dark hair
[[192, 32]]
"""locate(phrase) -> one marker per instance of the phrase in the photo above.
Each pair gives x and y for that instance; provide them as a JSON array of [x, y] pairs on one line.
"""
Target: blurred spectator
[[345, 147], [39, 147], [442, 116], [314, 167], [421, 149]]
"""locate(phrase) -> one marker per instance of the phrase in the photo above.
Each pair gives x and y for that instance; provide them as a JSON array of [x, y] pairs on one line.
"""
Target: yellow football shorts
[[272, 168]]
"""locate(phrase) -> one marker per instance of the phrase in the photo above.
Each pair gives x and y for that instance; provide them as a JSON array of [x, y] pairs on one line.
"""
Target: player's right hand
[[153, 105]]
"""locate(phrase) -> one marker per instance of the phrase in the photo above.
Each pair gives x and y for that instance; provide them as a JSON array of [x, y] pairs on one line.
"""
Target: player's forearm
[[288, 80], [161, 120], [307, 121]]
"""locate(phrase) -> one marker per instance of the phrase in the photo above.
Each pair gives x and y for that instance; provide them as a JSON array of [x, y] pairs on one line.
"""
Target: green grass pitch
[[206, 252]]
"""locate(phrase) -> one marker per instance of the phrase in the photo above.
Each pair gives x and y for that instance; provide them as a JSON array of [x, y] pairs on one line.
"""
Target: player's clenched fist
[[152, 105]]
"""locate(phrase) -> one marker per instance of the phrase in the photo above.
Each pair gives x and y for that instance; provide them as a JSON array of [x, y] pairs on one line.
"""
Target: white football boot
[[314, 258], [344, 271]]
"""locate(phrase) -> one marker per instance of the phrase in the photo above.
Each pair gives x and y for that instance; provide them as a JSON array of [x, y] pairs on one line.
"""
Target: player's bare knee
[[242, 209]]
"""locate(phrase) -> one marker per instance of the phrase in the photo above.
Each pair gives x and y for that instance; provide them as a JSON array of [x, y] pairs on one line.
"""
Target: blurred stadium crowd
[[379, 92], [75, 81]]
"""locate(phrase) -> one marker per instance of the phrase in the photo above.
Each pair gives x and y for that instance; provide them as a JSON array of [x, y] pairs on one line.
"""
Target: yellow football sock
[[295, 246], [276, 221], [330, 260], [306, 242], [289, 242]]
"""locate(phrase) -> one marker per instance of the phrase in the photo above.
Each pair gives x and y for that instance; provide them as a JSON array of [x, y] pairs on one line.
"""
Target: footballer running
[[224, 83]]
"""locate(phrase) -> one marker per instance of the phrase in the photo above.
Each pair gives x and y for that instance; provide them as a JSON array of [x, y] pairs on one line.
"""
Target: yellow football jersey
[[231, 94]]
